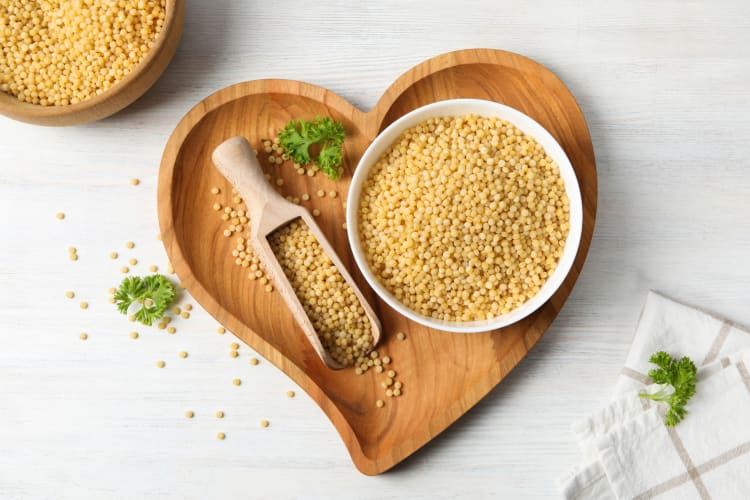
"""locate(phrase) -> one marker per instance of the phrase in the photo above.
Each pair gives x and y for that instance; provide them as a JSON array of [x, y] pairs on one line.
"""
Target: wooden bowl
[[120, 95], [443, 374]]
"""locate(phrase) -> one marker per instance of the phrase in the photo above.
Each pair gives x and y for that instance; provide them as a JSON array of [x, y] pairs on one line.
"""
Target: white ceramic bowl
[[459, 107]]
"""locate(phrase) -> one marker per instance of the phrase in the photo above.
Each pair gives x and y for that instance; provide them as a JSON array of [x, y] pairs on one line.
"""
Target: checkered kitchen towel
[[630, 453]]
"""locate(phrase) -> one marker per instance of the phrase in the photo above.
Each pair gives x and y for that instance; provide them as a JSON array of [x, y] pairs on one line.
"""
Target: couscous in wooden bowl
[[132, 85]]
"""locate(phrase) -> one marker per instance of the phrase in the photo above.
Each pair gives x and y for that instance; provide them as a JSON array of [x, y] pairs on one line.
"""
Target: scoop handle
[[237, 161]]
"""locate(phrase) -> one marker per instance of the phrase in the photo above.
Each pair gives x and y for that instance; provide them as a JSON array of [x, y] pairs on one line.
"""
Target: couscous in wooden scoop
[[269, 211]]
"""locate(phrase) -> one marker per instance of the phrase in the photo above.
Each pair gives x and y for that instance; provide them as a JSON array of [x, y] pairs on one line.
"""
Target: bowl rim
[[10, 105], [459, 107]]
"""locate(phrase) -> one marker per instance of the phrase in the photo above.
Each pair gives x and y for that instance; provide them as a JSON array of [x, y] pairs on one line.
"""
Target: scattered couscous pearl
[[389, 393], [332, 194], [135, 181], [254, 361], [131, 318], [133, 262], [268, 288], [124, 269], [391, 373], [160, 364], [233, 354], [60, 215], [316, 212], [84, 305], [215, 190], [234, 346], [221, 436], [217, 206], [171, 330], [396, 392], [153, 268], [290, 394], [279, 182], [321, 193], [158, 236], [188, 307], [133, 335], [112, 300], [161, 325], [386, 360], [185, 314], [221, 330], [113, 255], [70, 294], [379, 403], [129, 244], [237, 381], [83, 336], [176, 310], [264, 423], [189, 414], [170, 269], [401, 336], [306, 197], [343, 226], [378, 369], [397, 385], [73, 256], [219, 414], [374, 354], [183, 354], [112, 290]]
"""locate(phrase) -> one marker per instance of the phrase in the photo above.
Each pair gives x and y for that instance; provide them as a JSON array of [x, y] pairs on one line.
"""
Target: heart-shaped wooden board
[[444, 374]]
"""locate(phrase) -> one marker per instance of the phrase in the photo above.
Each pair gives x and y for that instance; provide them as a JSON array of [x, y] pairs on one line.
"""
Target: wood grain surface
[[444, 374], [120, 95]]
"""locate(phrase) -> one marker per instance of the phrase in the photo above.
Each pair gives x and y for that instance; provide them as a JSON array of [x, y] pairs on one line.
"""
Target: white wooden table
[[664, 86]]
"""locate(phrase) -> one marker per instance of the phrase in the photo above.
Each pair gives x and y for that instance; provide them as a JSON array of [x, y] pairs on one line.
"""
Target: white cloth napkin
[[630, 453]]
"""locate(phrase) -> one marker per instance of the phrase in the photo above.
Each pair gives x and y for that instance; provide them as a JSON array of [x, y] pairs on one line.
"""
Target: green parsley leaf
[[678, 380], [153, 294], [298, 135]]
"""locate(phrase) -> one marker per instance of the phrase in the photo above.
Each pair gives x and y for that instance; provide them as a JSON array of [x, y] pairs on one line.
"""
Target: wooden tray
[[444, 374]]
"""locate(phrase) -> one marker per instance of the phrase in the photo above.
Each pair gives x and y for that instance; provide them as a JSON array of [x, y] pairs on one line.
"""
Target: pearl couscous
[[60, 52], [329, 301], [464, 218]]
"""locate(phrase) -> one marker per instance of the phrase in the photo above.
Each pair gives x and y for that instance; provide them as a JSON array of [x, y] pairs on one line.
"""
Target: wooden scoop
[[268, 211]]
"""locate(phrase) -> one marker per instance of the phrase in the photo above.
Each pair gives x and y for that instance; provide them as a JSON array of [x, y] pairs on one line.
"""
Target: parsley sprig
[[298, 135], [677, 379], [152, 293]]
